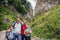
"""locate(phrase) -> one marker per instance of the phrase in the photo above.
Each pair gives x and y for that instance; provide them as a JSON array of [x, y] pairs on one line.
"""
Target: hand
[[27, 32], [8, 30], [30, 32], [20, 32]]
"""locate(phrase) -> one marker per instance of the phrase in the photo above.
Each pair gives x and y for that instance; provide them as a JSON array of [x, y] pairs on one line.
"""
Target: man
[[16, 26]]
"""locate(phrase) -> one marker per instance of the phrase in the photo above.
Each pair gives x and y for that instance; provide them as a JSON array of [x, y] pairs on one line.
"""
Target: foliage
[[47, 25], [21, 6], [5, 14]]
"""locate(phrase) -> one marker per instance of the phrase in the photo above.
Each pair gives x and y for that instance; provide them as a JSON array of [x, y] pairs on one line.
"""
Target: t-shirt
[[28, 30], [23, 29], [17, 28]]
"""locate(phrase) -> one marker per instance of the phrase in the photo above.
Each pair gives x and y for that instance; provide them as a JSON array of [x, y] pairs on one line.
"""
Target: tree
[[21, 6]]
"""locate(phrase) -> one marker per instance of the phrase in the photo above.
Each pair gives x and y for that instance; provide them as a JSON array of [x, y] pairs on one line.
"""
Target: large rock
[[2, 35], [29, 15], [45, 5]]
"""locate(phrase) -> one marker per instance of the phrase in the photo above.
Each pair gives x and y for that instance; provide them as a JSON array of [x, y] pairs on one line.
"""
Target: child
[[28, 33], [9, 34]]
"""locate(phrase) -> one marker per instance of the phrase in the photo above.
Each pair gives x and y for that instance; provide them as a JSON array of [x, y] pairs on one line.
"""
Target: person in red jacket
[[24, 26]]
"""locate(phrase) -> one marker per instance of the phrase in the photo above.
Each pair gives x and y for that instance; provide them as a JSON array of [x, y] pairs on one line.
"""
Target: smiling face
[[24, 21], [17, 20]]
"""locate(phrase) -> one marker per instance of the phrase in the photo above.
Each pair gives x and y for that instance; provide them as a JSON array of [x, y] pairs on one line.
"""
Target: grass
[[47, 25]]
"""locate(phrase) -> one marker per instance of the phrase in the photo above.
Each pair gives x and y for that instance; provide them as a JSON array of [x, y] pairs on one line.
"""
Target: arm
[[30, 32], [7, 30], [11, 27]]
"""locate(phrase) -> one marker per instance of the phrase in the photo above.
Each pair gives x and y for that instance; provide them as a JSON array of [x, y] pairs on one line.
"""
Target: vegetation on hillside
[[47, 25], [6, 16], [21, 6]]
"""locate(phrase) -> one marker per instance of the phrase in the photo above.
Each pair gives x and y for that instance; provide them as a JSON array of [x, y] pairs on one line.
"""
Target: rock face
[[2, 35], [45, 5], [29, 14]]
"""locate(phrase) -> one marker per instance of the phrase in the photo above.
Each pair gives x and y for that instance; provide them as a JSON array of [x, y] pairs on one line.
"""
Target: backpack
[[15, 23], [9, 35]]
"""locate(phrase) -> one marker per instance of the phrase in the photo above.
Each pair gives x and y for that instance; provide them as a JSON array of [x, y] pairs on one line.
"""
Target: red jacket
[[23, 29]]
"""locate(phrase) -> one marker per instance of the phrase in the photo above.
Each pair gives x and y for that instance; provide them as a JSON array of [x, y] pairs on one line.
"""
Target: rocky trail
[[3, 37]]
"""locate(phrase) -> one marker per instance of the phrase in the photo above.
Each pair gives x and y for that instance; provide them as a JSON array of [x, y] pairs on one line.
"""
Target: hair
[[17, 17]]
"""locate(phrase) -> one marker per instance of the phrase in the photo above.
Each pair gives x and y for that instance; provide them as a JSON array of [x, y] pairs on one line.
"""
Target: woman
[[23, 30]]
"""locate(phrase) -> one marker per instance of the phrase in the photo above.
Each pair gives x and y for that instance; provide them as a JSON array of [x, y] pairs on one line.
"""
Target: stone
[[45, 5], [2, 35]]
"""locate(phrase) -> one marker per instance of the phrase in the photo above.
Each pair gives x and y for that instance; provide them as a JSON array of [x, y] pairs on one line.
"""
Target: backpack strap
[[21, 25], [15, 23]]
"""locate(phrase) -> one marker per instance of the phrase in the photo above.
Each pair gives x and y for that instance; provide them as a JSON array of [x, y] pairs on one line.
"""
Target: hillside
[[47, 25], [45, 5], [10, 9], [7, 17]]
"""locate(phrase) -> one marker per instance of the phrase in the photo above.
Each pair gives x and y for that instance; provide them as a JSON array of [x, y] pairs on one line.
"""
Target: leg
[[25, 37], [29, 37], [9, 39], [14, 36], [22, 37], [19, 37]]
